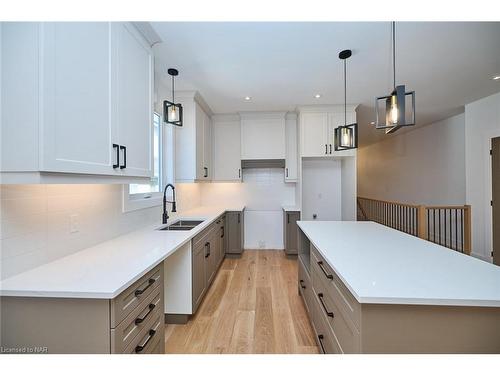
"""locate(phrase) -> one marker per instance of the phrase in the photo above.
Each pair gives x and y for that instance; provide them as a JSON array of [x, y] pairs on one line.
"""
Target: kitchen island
[[371, 289]]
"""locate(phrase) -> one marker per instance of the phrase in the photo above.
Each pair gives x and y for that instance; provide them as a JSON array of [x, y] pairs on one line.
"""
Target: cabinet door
[[211, 259], [77, 130], [314, 134], [227, 150], [291, 151], [234, 235], [207, 146], [200, 142], [198, 274], [133, 100], [292, 242]]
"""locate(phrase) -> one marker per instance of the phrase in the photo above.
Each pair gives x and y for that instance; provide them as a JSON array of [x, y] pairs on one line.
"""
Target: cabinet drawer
[[135, 294], [124, 333], [344, 329], [324, 336], [148, 338], [203, 236], [345, 301], [305, 286]]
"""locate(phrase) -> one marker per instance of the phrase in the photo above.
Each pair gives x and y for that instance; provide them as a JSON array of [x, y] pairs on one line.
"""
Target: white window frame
[[132, 202]]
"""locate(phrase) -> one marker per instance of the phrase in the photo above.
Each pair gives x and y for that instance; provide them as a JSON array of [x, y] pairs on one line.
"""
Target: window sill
[[153, 200]]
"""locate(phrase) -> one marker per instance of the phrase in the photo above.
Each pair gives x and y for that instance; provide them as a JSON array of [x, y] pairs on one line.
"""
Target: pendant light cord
[[345, 92], [173, 91], [394, 52]]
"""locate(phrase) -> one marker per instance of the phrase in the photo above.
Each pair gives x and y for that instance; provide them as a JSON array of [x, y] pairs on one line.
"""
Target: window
[[137, 196]]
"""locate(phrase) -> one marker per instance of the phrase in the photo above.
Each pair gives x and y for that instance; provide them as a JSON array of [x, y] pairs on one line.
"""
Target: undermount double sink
[[182, 225]]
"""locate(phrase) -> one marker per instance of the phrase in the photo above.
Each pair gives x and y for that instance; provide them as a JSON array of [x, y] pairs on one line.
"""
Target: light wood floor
[[252, 307]]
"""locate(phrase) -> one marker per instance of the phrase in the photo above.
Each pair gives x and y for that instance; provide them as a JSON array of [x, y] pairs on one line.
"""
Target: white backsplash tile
[[35, 220]]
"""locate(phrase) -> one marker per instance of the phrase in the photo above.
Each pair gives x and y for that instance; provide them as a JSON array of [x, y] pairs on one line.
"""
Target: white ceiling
[[282, 65]]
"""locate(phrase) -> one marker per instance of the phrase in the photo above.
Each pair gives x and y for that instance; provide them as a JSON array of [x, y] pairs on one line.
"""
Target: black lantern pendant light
[[395, 103], [346, 136], [172, 112]]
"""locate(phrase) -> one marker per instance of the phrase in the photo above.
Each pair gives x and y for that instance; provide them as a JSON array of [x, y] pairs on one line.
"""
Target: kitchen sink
[[182, 225]]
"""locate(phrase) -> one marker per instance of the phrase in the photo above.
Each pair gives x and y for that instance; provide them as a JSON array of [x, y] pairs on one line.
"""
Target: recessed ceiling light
[[496, 78], [317, 96], [372, 123], [247, 98]]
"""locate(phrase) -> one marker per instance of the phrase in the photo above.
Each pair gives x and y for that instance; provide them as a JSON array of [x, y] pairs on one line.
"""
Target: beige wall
[[425, 165]]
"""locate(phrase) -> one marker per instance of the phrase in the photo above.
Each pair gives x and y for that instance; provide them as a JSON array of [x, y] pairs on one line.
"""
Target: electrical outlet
[[262, 244], [74, 223], [315, 216]]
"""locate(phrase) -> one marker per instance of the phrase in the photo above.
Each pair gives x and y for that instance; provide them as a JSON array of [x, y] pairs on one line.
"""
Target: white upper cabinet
[[193, 141], [262, 135], [226, 148], [291, 159], [134, 91], [317, 126], [76, 122], [91, 84]]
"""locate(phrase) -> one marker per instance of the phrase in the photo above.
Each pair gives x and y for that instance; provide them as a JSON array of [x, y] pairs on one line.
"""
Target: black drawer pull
[[140, 348], [326, 149], [206, 172], [117, 156], [302, 286], [328, 276], [222, 234], [330, 148], [330, 314], [138, 292], [320, 339], [140, 320], [207, 247]]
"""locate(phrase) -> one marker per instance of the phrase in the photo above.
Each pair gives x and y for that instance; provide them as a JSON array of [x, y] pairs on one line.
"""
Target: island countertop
[[382, 265], [107, 269]]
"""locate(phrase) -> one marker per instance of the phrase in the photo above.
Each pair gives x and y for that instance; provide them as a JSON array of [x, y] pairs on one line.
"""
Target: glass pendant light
[[172, 112], [395, 103], [345, 136]]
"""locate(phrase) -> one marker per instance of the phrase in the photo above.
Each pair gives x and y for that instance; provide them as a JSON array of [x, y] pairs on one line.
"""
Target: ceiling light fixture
[[395, 103], [496, 78], [172, 112], [345, 136], [317, 96], [248, 98]]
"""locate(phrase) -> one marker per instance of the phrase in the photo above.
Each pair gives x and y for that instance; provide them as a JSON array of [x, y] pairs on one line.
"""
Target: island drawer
[[305, 285], [207, 232], [124, 333], [321, 272], [343, 327], [325, 338], [135, 294], [148, 338]]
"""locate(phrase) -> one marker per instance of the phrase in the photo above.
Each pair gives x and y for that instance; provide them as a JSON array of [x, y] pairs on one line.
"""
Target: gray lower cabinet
[[290, 232], [235, 232], [207, 256], [130, 323]]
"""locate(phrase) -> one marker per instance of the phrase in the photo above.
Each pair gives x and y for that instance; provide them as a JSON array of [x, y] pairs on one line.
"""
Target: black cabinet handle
[[330, 148], [320, 339], [124, 157], [302, 286], [138, 292], [239, 173], [140, 320], [206, 172], [140, 348], [238, 218], [328, 276], [326, 149], [117, 156], [330, 314], [286, 169], [222, 235], [207, 247], [288, 218]]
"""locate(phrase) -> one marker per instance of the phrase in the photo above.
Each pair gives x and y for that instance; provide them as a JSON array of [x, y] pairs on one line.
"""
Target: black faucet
[[165, 213]]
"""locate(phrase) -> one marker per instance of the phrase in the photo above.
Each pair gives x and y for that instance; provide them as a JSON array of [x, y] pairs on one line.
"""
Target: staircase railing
[[449, 226]]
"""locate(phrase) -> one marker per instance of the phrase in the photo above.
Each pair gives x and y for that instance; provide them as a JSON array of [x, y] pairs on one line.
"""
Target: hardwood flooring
[[252, 307]]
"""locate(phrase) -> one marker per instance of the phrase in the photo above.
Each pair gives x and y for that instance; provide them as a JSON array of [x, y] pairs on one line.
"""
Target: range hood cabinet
[[263, 163]]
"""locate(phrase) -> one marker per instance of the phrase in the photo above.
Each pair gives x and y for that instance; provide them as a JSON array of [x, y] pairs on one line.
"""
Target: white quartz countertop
[[291, 208], [382, 265], [107, 269]]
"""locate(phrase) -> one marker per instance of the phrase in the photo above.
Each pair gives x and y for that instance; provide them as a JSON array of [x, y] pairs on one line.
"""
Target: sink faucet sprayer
[[165, 213]]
